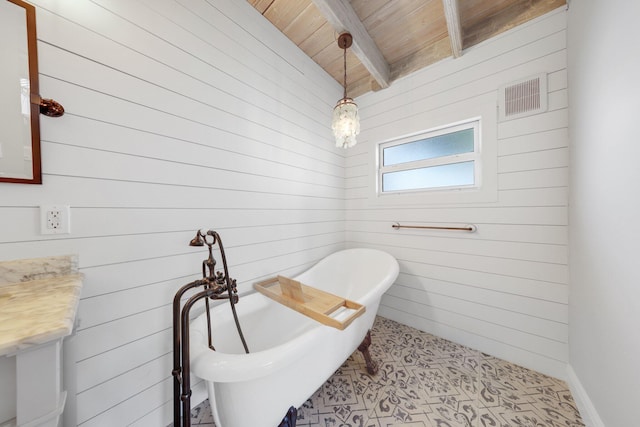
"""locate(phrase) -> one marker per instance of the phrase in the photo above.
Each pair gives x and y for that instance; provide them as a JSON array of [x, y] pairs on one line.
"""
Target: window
[[444, 159], [436, 145]]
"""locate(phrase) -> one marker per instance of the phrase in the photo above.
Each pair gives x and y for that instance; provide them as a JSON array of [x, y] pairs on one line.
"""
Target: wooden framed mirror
[[19, 94]]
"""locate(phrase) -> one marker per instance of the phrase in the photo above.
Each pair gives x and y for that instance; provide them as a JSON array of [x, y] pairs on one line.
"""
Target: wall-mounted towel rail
[[471, 228]]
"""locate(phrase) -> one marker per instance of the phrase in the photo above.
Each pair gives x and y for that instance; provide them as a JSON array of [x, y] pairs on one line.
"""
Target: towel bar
[[471, 228]]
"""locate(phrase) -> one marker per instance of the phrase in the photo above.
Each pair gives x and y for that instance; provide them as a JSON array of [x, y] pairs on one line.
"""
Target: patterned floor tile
[[201, 415], [427, 381]]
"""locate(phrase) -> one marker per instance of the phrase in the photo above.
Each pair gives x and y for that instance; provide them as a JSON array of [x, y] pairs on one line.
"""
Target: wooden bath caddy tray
[[309, 301]]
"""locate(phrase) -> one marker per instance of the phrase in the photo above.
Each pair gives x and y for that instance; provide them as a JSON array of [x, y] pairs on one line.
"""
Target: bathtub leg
[[290, 419], [372, 367]]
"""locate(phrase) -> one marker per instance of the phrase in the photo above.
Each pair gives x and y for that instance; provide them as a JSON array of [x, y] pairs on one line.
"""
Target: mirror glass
[[20, 130]]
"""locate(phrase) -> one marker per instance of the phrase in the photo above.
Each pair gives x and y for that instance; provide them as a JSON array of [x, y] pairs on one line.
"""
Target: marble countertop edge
[[38, 311], [11, 349]]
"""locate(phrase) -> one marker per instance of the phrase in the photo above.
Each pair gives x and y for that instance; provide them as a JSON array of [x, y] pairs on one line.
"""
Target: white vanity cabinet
[[38, 304]]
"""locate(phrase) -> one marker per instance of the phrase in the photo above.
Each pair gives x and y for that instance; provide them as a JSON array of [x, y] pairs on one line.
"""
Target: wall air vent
[[523, 98]]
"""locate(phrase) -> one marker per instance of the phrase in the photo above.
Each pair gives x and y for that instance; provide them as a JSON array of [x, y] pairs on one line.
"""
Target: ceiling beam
[[452, 16], [342, 17], [507, 18]]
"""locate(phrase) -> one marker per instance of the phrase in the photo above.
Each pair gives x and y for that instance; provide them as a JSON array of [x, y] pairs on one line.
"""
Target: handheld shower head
[[198, 240]]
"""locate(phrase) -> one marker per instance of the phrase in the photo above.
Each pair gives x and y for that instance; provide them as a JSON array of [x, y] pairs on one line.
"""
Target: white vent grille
[[523, 98]]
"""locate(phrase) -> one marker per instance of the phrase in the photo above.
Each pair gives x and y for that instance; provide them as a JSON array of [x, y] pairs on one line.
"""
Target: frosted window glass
[[448, 144], [454, 174]]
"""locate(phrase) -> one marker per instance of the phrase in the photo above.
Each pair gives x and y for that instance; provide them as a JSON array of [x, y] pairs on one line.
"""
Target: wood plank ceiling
[[393, 38]]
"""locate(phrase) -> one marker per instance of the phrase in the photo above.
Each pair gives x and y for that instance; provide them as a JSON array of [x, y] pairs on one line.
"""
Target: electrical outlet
[[55, 219]]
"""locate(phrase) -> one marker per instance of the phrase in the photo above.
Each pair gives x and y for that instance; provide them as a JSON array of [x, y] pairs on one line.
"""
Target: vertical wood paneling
[[179, 115], [502, 289]]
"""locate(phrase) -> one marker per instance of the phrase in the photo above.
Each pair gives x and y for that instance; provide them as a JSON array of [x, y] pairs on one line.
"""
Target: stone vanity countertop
[[37, 311]]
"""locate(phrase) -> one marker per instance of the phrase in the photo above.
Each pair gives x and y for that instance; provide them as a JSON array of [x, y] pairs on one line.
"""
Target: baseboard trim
[[588, 412]]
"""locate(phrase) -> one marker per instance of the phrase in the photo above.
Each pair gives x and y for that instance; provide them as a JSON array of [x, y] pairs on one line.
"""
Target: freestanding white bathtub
[[291, 355]]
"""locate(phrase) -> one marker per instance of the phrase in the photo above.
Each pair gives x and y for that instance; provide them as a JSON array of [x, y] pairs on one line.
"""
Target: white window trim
[[483, 109], [473, 156]]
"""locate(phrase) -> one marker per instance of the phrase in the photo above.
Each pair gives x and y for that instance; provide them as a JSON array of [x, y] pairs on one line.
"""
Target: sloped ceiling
[[393, 38]]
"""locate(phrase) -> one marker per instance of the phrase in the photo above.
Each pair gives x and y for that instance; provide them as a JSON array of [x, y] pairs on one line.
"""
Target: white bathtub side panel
[[286, 373], [271, 396]]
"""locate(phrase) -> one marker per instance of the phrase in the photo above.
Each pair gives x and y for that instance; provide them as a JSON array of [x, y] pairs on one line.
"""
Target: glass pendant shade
[[346, 123]]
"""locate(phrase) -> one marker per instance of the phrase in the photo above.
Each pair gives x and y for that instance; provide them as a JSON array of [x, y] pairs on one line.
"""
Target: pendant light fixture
[[346, 123]]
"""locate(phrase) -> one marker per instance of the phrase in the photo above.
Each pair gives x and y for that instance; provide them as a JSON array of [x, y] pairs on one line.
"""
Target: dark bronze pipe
[[185, 395], [216, 286], [177, 370]]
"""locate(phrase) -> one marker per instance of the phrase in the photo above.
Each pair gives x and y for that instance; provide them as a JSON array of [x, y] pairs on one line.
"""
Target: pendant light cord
[[345, 72]]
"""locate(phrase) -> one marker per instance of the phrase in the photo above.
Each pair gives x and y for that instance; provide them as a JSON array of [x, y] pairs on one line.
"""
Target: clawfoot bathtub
[[291, 355]]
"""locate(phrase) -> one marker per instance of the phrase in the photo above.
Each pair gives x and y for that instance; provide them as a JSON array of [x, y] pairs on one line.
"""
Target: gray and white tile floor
[[426, 381]]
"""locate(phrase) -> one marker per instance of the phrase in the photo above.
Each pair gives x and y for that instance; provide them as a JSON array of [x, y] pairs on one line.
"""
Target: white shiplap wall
[[179, 115], [503, 289]]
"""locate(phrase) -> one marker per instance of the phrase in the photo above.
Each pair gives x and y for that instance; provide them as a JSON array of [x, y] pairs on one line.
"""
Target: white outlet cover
[[55, 219]]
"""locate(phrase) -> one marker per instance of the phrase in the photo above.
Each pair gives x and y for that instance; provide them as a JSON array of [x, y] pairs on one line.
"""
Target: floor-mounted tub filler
[[270, 358]]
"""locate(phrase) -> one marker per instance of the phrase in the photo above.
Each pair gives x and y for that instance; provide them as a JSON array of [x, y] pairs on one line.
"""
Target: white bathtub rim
[[393, 273], [230, 367]]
